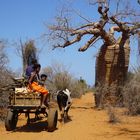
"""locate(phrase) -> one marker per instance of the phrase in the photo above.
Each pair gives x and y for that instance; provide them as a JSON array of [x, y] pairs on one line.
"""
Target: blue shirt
[[29, 70]]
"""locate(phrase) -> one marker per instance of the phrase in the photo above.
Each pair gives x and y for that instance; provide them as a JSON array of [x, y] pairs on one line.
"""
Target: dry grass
[[59, 78], [131, 94], [108, 95], [113, 115]]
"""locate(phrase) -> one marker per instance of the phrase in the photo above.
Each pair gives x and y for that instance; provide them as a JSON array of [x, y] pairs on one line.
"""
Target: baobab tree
[[113, 57]]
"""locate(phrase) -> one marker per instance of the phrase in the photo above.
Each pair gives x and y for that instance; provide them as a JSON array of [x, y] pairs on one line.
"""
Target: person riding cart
[[33, 84]]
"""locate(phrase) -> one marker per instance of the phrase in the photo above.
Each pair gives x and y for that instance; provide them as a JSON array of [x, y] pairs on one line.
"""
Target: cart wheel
[[52, 119], [11, 120]]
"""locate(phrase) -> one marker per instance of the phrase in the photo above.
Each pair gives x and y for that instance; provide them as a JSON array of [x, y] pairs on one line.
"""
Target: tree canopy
[[121, 18]]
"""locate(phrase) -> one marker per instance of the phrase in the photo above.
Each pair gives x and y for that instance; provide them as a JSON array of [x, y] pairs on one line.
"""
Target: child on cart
[[33, 84]]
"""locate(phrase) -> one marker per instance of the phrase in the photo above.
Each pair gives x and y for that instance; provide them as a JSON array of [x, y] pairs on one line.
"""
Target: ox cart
[[23, 101]]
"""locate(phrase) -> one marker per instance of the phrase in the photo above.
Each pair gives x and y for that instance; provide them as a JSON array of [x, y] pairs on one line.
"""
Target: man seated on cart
[[30, 69], [33, 84]]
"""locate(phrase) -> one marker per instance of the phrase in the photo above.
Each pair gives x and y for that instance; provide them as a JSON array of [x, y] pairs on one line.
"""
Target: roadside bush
[[59, 79], [5, 79], [107, 95], [131, 94], [5, 82], [112, 114], [76, 89]]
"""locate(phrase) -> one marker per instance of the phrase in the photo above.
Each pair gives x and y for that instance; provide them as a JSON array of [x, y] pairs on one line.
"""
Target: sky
[[26, 19]]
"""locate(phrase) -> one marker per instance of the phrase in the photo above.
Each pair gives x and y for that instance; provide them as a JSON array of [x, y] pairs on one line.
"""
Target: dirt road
[[86, 123]]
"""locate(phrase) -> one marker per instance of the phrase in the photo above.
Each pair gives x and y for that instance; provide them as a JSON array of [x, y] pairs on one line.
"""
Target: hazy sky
[[24, 19]]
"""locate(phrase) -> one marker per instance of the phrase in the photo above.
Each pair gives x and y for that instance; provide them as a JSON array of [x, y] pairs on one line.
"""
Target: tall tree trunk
[[111, 69]]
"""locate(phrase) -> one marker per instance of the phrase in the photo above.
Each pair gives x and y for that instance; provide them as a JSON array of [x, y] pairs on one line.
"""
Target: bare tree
[[59, 78], [3, 56], [5, 78], [27, 51], [113, 58]]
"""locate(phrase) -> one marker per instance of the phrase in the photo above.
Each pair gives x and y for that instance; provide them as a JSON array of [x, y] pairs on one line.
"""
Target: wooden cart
[[22, 101]]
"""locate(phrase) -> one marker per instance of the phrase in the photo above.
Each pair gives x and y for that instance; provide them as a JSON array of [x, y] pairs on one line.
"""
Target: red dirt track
[[86, 123]]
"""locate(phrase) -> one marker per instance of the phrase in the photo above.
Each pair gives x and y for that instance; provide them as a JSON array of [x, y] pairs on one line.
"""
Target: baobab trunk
[[111, 70]]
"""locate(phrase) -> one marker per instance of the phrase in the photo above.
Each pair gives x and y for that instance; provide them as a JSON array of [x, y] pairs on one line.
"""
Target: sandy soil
[[86, 123]]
